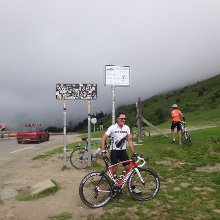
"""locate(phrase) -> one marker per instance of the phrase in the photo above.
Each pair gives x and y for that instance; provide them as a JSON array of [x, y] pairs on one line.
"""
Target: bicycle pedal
[[114, 196]]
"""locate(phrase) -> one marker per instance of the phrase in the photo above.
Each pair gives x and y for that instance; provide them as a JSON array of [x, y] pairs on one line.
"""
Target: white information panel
[[117, 75]]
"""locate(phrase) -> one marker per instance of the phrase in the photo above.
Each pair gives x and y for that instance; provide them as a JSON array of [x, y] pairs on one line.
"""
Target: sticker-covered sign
[[76, 91]]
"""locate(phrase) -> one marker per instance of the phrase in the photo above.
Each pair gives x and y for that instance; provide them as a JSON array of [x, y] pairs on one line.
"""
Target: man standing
[[120, 134], [176, 114]]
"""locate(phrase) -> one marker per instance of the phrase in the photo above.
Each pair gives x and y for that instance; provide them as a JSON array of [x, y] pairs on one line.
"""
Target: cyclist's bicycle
[[80, 155], [185, 134], [97, 188]]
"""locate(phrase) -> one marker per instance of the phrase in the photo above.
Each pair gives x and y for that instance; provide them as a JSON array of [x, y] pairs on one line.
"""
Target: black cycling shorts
[[119, 156], [176, 124]]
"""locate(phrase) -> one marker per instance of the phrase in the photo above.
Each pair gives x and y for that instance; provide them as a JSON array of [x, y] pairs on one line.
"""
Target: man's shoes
[[174, 140], [135, 190], [180, 143]]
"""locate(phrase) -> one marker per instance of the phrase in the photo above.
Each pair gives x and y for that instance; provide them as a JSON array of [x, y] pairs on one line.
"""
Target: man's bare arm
[[131, 144], [103, 141]]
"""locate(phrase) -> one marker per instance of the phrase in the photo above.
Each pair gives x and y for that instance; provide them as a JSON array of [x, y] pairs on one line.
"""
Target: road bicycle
[[80, 155], [184, 133], [97, 188]]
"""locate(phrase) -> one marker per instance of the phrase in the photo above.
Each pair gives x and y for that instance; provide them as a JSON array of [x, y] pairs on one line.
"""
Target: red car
[[33, 133]]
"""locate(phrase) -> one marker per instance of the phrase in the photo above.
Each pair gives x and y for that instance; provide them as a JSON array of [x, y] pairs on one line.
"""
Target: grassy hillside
[[190, 180], [199, 102]]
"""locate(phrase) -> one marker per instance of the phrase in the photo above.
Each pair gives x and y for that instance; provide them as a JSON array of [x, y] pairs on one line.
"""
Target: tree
[[54, 129], [159, 113]]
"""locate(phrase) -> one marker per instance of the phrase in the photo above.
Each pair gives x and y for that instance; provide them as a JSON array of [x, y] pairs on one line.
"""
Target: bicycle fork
[[139, 175], [130, 173]]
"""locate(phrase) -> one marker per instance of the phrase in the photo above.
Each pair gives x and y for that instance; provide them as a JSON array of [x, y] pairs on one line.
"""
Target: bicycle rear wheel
[[95, 189], [79, 158], [187, 138], [146, 190]]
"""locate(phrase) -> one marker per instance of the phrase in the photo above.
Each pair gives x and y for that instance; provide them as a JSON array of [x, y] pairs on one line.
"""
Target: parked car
[[33, 133]]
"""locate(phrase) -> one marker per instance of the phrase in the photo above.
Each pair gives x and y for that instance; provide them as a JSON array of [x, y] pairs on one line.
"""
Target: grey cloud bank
[[167, 44]]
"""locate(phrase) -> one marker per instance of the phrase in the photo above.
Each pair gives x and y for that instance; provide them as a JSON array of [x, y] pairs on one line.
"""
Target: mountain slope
[[199, 102]]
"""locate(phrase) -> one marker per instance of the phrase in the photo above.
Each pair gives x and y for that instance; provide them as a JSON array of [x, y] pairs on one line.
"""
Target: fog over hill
[[167, 44]]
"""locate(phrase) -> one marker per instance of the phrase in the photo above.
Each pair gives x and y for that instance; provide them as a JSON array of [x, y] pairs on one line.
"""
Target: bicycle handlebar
[[141, 159]]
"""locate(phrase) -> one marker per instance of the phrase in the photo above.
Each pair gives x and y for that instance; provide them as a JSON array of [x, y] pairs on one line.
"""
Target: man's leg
[[114, 169], [173, 135], [123, 156], [179, 137], [114, 160], [173, 125], [179, 132]]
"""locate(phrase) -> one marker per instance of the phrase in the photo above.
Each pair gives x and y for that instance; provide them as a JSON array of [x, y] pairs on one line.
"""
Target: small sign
[[117, 75], [93, 120], [76, 91]]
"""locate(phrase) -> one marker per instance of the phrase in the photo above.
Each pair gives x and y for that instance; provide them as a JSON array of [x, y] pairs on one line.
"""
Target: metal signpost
[[89, 137], [76, 92], [113, 104], [64, 132], [116, 76], [138, 108]]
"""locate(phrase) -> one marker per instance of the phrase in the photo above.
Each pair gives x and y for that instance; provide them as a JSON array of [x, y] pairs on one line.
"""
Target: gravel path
[[21, 175]]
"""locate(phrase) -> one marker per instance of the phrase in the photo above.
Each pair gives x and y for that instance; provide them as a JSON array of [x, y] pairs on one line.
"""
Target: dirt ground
[[22, 175]]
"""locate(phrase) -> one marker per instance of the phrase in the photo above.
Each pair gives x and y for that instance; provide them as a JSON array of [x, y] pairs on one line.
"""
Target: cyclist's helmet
[[174, 106]]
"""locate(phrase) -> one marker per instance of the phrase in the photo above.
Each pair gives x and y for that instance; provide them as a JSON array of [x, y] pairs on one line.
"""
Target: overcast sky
[[167, 44]]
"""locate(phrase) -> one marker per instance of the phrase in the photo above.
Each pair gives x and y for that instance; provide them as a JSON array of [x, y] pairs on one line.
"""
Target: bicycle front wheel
[[95, 189], [79, 158], [147, 189]]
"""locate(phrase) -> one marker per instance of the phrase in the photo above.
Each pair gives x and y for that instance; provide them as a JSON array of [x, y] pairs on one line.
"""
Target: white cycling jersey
[[118, 136]]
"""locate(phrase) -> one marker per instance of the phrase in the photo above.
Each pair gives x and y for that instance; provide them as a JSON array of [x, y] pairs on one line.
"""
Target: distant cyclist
[[2, 129], [176, 116]]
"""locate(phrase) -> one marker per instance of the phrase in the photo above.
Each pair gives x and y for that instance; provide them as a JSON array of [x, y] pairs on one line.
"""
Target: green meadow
[[189, 175]]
